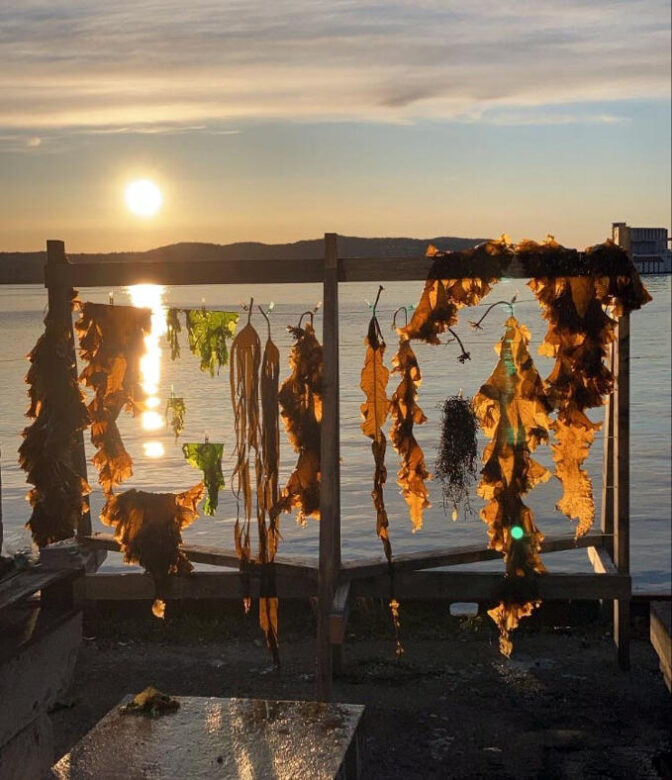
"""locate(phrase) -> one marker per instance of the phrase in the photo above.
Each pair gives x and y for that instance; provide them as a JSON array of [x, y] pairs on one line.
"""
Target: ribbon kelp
[[148, 528], [244, 376], [512, 409], [208, 332], [207, 457], [300, 400], [49, 443], [111, 340], [268, 492]]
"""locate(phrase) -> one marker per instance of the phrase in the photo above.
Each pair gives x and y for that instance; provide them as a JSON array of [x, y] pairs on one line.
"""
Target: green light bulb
[[517, 532]]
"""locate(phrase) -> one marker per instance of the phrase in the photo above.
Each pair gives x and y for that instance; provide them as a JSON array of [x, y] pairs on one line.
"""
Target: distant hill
[[27, 267]]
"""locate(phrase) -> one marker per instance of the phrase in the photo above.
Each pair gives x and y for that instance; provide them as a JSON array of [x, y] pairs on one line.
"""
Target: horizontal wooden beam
[[122, 586], [293, 271], [123, 274], [601, 561], [24, 584], [217, 556], [454, 556], [482, 586]]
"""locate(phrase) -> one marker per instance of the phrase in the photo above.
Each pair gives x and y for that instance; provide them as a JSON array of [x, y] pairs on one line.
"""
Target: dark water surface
[[209, 409]]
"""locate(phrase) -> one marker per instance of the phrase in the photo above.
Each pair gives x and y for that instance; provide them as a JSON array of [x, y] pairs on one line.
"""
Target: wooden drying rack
[[333, 582]]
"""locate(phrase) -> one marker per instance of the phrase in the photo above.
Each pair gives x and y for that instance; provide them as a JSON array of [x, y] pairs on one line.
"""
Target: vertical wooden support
[[1, 527], [330, 484], [622, 485], [607, 511], [58, 290]]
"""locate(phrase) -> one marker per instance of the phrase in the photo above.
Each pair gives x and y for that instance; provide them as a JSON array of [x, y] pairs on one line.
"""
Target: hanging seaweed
[[374, 414], [269, 494], [456, 459], [209, 333], [245, 360], [207, 457], [405, 414], [46, 454], [513, 411], [173, 329], [148, 528], [578, 337], [111, 340], [443, 295], [300, 400], [176, 410]]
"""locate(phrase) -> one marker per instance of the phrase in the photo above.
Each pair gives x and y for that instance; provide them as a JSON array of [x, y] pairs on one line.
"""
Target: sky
[[279, 121]]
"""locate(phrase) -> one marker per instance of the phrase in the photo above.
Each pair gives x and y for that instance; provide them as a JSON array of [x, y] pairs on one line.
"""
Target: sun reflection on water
[[150, 296]]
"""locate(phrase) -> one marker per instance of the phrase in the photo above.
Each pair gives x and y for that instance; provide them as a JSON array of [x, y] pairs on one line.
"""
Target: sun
[[143, 197]]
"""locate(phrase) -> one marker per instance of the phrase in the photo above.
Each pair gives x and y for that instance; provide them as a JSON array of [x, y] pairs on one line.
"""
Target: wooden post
[[607, 511], [330, 483], [1, 527], [60, 308], [621, 539]]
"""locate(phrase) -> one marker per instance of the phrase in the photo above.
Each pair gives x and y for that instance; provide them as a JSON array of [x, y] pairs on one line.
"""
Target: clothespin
[[110, 297], [206, 437]]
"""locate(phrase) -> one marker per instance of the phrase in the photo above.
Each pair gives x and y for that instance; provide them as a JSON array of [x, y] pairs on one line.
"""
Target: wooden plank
[[481, 586], [122, 586], [194, 272], [601, 561], [330, 484], [454, 556], [216, 556], [60, 307], [338, 618], [25, 584], [660, 631], [622, 484]]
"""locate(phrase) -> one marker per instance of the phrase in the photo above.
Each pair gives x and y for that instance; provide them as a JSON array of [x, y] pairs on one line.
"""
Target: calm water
[[209, 409]]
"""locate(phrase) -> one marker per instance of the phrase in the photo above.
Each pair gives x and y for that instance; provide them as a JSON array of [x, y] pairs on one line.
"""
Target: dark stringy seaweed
[[458, 452]]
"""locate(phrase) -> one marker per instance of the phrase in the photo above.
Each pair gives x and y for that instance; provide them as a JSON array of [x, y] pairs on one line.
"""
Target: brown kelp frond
[[405, 414], [148, 528], [444, 295], [374, 411], [50, 441], [458, 451], [207, 457], [512, 409], [300, 398], [578, 337], [112, 342]]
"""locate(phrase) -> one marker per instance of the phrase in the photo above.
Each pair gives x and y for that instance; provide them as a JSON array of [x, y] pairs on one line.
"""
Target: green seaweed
[[209, 332], [208, 458], [175, 412]]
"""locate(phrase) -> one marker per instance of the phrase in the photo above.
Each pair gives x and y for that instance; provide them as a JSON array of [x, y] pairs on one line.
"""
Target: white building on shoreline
[[649, 247]]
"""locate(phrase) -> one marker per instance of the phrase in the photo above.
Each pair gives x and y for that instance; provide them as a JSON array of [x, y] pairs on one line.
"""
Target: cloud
[[136, 65]]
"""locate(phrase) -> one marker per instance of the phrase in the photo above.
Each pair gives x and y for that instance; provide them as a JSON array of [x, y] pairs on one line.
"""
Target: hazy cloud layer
[[153, 65]]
